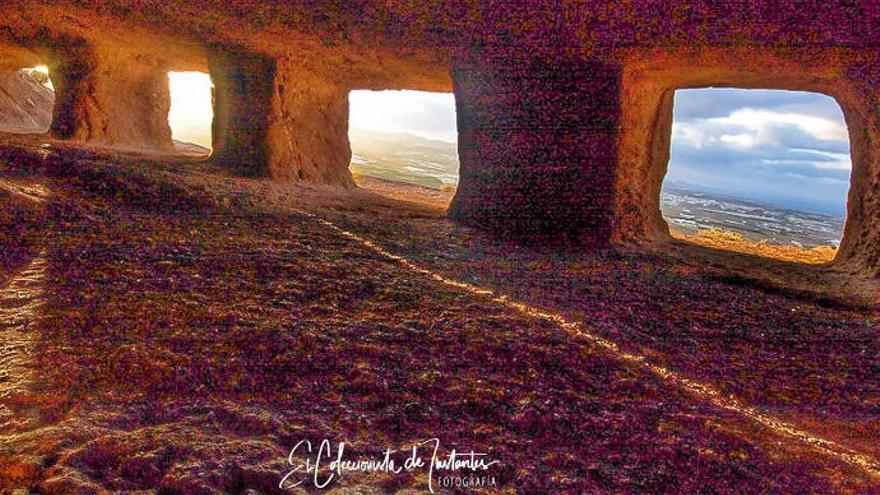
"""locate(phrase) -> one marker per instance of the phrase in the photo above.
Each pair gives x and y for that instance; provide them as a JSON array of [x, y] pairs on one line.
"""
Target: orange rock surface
[[564, 108]]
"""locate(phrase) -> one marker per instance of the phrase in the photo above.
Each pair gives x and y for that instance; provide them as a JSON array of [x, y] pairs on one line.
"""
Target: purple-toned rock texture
[[539, 138], [564, 106]]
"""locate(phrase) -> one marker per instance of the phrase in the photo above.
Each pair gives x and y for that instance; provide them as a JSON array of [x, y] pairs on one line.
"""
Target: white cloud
[[841, 160], [740, 140], [688, 135], [777, 146], [761, 120]]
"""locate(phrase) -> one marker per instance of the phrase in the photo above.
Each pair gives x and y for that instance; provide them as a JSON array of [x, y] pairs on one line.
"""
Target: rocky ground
[[165, 328]]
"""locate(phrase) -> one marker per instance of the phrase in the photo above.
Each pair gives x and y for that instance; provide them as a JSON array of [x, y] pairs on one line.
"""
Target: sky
[[191, 107], [784, 147], [424, 114]]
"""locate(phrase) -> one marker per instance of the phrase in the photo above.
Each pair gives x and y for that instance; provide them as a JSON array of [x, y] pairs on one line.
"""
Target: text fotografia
[[323, 466]]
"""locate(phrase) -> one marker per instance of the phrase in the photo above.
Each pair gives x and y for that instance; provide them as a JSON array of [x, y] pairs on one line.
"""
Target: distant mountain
[[191, 148], [404, 157], [787, 202]]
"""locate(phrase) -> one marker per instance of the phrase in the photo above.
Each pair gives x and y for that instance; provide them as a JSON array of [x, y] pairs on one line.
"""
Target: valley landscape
[[405, 158]]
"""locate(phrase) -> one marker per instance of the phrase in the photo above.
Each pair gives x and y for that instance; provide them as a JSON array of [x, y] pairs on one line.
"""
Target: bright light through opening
[[191, 107], [404, 136], [420, 113], [42, 73], [761, 166]]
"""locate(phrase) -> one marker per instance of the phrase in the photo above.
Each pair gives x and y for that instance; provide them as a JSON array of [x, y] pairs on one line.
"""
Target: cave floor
[[165, 328]]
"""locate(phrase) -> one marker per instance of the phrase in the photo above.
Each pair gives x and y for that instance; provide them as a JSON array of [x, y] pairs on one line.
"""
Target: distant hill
[[404, 157], [191, 148], [690, 211]]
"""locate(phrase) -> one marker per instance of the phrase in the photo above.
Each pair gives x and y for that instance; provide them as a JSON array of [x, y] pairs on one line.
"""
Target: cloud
[[826, 160], [707, 103], [739, 140], [786, 147], [759, 120]]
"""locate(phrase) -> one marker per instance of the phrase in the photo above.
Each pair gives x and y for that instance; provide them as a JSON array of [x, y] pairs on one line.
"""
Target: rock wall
[[243, 87], [576, 150], [274, 119], [649, 82], [25, 103], [564, 106], [108, 98], [860, 250], [537, 147]]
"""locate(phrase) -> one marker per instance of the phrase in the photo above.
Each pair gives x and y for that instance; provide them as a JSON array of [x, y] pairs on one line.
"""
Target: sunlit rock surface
[[25, 102]]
